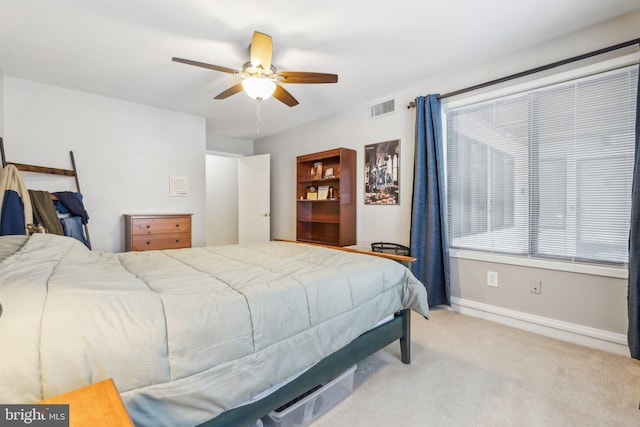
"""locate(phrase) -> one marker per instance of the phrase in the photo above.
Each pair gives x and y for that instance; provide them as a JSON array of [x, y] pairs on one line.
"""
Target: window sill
[[592, 269]]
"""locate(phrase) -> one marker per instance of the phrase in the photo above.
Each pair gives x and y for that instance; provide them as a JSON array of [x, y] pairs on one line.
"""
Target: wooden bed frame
[[330, 367]]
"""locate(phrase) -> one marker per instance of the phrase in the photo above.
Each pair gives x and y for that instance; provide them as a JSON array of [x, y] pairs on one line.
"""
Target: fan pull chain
[[258, 118]]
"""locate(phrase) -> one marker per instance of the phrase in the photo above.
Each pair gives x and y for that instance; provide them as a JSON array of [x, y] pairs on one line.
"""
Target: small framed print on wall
[[382, 173]]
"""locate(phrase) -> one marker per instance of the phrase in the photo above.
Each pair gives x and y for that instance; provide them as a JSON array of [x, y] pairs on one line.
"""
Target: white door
[[254, 199]]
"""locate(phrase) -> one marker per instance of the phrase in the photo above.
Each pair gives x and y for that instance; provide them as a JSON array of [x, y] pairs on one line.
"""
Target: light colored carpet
[[472, 372]]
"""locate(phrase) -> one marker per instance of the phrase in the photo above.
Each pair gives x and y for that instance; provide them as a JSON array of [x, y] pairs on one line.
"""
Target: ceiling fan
[[260, 79]]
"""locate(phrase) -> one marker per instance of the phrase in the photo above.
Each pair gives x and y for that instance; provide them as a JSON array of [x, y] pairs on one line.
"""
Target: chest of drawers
[[164, 231]]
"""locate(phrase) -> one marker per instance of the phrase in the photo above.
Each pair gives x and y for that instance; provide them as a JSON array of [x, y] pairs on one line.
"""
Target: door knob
[[266, 214]]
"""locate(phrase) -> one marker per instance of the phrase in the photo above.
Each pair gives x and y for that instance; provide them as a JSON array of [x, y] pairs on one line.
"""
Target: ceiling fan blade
[[261, 50], [303, 77], [231, 91], [282, 95], [205, 65]]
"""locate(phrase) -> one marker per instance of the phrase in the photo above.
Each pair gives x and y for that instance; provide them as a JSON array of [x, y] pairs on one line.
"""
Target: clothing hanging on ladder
[[73, 202], [72, 226], [70, 203], [44, 212], [15, 204], [25, 196]]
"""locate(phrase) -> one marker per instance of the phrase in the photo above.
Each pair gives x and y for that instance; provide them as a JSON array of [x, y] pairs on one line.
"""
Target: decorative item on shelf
[[328, 173], [316, 170], [331, 194], [312, 193], [323, 192]]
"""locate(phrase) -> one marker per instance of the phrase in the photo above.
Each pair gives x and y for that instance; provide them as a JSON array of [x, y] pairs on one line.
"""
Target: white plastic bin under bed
[[310, 406]]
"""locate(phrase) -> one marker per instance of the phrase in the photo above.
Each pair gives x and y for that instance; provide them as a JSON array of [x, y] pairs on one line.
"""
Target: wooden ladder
[[51, 171]]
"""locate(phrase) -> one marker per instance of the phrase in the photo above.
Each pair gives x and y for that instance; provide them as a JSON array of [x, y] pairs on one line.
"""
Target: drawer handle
[[148, 225], [177, 225], [148, 242], [177, 240]]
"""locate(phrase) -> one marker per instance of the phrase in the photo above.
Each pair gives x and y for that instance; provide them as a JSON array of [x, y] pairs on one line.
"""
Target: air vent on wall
[[381, 109]]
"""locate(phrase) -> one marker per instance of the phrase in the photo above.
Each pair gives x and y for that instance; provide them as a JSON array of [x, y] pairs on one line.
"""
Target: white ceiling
[[123, 48]]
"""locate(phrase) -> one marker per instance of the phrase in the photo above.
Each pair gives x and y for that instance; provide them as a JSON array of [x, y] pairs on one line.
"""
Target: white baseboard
[[565, 331]]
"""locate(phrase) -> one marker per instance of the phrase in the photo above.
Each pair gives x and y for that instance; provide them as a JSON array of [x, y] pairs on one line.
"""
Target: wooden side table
[[96, 405]]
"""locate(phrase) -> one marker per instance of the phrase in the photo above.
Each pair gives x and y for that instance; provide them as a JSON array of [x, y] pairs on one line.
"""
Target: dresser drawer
[[149, 232], [161, 241], [147, 225]]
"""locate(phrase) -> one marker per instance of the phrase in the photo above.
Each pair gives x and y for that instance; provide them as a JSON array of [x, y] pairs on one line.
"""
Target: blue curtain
[[429, 243], [633, 299]]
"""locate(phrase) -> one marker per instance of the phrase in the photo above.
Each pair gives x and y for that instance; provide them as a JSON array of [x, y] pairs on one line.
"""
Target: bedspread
[[185, 334]]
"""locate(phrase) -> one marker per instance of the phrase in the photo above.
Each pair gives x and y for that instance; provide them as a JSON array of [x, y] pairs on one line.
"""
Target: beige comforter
[[185, 334]]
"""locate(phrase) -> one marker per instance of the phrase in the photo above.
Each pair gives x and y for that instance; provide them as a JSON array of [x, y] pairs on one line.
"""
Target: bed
[[193, 336]]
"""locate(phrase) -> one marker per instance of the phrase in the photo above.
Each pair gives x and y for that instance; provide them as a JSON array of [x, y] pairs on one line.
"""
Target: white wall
[[227, 144], [354, 130], [124, 153], [591, 303]]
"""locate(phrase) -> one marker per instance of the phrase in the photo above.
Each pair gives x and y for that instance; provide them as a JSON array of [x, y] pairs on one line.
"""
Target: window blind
[[545, 172]]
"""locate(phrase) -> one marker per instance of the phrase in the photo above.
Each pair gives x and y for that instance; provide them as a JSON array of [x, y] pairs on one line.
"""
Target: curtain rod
[[536, 70]]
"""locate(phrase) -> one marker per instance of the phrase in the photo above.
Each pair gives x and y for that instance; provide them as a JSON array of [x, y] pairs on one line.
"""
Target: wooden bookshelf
[[322, 219]]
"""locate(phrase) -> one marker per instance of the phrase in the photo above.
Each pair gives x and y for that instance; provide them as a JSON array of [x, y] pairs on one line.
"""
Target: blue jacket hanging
[[73, 202]]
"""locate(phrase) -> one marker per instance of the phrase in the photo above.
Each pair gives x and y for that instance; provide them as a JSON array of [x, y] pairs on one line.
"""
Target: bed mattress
[[185, 334]]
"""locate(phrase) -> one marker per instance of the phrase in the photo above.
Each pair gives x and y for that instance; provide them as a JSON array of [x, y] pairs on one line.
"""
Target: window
[[545, 172]]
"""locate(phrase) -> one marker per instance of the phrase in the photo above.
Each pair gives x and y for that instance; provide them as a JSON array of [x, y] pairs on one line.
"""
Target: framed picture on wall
[[382, 173]]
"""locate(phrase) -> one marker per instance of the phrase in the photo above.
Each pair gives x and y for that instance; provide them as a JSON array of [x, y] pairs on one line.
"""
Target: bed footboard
[[325, 370]]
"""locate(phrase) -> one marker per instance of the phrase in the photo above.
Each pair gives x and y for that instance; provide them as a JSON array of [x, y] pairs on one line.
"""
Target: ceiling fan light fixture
[[258, 88], [260, 79]]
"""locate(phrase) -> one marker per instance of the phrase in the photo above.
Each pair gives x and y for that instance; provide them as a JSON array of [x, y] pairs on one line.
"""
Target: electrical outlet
[[492, 279], [535, 286]]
